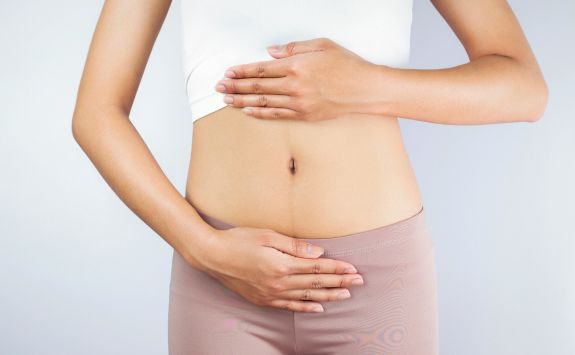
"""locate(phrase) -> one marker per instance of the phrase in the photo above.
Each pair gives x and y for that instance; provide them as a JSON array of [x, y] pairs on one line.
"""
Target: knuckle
[[262, 100], [306, 295], [316, 268], [256, 87], [238, 100], [276, 286], [295, 246], [326, 42], [276, 113], [294, 88], [232, 85], [317, 283], [290, 47], [283, 269], [293, 68], [260, 71], [289, 305]]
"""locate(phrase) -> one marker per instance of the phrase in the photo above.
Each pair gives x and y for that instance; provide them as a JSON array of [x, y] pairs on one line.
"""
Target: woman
[[311, 195]]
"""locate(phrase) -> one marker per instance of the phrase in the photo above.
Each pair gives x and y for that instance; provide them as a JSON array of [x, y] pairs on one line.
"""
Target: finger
[[315, 281], [319, 266], [282, 101], [297, 306], [297, 47], [292, 246], [272, 113], [262, 69], [278, 86], [318, 295]]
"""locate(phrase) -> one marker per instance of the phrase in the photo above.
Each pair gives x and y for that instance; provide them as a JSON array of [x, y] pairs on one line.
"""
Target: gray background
[[81, 274]]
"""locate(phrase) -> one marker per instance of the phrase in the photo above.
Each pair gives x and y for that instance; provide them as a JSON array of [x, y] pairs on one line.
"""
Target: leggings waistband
[[380, 237]]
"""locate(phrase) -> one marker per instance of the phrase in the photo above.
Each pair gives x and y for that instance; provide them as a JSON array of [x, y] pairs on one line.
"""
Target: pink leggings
[[394, 312]]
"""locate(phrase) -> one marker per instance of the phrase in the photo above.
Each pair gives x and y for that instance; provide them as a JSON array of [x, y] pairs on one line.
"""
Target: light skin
[[501, 83], [318, 79], [267, 268]]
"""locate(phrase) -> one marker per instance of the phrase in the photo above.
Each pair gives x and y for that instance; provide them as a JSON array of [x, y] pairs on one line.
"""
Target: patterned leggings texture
[[393, 313]]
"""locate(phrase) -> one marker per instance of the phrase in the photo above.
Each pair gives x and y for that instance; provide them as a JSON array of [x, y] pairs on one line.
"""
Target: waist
[[302, 179]]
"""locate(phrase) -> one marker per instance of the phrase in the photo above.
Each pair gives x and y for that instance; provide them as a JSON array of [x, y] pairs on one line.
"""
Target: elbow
[[528, 91], [89, 119], [78, 121], [78, 127], [537, 102], [83, 124], [75, 128]]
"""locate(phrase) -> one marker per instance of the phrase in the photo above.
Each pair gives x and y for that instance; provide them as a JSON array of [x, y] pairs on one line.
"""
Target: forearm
[[489, 89], [120, 155]]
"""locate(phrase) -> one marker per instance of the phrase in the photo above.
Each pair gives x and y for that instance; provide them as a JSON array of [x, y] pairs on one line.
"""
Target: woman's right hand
[[271, 269]]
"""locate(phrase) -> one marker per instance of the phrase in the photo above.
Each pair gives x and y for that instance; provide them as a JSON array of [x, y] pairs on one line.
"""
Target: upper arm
[[486, 27], [122, 42]]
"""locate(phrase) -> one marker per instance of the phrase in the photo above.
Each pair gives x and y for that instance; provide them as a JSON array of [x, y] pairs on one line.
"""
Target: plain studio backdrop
[[80, 273]]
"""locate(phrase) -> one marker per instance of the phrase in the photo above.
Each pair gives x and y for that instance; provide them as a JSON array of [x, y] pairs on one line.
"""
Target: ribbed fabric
[[219, 34], [394, 312]]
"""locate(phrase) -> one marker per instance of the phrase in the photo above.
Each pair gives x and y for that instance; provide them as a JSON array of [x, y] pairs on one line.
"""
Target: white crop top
[[217, 34]]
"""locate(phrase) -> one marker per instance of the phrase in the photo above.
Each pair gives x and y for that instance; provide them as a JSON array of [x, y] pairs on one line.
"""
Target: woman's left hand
[[309, 80]]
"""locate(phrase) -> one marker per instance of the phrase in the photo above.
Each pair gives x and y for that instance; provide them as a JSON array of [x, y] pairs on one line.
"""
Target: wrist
[[200, 247], [373, 95]]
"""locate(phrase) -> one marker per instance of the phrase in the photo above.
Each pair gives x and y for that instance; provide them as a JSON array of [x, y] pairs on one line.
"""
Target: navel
[[292, 166]]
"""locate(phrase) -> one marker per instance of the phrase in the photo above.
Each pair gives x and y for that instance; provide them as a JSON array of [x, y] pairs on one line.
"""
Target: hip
[[394, 311], [303, 179]]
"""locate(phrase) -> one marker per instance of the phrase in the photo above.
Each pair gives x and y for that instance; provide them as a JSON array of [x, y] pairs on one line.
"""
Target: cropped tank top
[[222, 33]]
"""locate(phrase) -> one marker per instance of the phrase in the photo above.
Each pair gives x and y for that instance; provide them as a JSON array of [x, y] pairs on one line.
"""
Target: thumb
[[292, 246], [297, 47]]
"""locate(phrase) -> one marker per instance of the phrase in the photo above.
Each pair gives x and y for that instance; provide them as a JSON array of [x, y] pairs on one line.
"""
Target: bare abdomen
[[303, 179]]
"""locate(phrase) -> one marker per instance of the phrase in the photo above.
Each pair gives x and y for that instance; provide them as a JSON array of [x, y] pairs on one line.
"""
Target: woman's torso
[[351, 173]]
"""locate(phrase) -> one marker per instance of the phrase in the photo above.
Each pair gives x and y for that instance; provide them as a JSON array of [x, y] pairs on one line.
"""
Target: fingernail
[[274, 48], [357, 281], [312, 249], [228, 99], [317, 308], [230, 74], [247, 110], [220, 88], [343, 295], [349, 270]]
